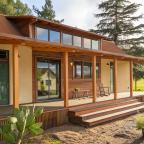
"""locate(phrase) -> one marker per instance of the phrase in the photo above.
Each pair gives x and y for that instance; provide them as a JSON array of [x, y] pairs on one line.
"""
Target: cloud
[[77, 13]]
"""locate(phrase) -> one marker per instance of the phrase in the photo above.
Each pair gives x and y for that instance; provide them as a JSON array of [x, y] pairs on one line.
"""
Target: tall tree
[[47, 11], [14, 7], [118, 21]]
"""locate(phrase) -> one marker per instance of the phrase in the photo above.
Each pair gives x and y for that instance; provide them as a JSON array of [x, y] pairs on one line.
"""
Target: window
[[87, 43], [77, 70], [87, 70], [97, 70], [77, 41], [95, 44], [42, 34], [54, 36], [67, 39]]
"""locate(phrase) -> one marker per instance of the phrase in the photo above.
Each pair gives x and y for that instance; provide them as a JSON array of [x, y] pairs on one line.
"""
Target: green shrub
[[140, 123], [22, 123]]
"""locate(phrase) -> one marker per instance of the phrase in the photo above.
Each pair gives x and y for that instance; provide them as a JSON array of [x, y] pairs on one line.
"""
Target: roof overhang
[[47, 46]]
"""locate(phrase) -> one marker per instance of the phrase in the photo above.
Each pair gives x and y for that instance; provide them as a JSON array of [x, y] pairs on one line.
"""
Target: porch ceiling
[[38, 45]]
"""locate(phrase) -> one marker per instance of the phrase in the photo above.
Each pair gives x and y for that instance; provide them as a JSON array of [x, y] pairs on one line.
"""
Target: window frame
[[54, 31], [80, 42], [37, 32], [63, 33], [90, 70]]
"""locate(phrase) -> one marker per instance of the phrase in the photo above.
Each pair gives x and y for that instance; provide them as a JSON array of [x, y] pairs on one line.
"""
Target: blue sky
[[77, 13]]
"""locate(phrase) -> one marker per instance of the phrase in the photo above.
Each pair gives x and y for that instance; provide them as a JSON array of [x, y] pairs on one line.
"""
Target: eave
[[47, 46]]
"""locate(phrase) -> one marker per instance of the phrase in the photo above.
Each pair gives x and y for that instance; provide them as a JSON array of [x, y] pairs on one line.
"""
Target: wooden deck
[[98, 113]]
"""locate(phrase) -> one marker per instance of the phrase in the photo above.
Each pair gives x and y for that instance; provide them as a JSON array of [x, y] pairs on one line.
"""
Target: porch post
[[115, 78], [131, 78], [15, 76], [66, 87], [94, 87]]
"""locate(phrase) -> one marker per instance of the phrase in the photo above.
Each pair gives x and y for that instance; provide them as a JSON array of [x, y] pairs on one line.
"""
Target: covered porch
[[80, 70]]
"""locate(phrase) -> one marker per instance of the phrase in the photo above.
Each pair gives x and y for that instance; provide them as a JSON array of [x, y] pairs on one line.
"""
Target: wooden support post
[[131, 78], [15, 76], [66, 87], [94, 86], [115, 79]]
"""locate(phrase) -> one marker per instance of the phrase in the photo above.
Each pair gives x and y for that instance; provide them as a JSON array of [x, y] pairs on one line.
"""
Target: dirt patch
[[118, 132]]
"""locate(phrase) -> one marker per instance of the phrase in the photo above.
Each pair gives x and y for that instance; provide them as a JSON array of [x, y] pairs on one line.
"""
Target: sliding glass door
[[48, 76], [4, 78]]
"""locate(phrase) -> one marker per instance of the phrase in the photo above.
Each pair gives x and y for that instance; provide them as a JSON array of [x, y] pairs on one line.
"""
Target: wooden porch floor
[[85, 100]]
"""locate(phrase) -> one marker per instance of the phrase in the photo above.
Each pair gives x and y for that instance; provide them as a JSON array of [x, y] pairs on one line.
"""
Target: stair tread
[[109, 109], [97, 106], [113, 114]]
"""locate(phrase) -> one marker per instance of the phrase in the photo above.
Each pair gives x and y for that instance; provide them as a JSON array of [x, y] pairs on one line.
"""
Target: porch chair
[[103, 91]]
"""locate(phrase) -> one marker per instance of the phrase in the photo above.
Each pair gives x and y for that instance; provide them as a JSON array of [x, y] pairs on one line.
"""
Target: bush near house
[[22, 123]]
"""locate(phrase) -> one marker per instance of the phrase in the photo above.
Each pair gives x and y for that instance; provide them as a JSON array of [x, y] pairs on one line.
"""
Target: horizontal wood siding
[[73, 83]]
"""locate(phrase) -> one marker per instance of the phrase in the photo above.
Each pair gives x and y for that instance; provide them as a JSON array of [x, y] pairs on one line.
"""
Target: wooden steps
[[99, 113]]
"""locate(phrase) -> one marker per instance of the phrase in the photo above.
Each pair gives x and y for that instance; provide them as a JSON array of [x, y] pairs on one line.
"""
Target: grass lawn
[[140, 85]]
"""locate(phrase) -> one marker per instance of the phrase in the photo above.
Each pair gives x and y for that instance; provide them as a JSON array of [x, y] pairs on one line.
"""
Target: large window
[[77, 70], [87, 43], [87, 70], [54, 36], [77, 41], [95, 44], [41, 33], [67, 39]]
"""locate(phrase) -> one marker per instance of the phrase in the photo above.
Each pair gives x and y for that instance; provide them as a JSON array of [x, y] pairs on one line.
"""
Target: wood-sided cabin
[[58, 66]]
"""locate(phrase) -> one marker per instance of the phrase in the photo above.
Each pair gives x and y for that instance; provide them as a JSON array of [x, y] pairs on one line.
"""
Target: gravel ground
[[118, 132]]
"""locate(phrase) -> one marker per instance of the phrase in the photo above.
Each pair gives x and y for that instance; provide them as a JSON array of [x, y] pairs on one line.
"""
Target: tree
[[138, 70], [14, 8], [118, 22], [47, 11]]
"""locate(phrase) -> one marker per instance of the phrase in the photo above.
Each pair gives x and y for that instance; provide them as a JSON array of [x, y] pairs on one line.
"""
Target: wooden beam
[[15, 76], [115, 78], [131, 78], [66, 77], [94, 86]]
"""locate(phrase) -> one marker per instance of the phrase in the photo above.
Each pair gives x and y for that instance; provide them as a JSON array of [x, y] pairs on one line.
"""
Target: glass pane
[[54, 36], [98, 70], [78, 70], [48, 80], [42, 34], [42, 72], [87, 43], [87, 70], [67, 39], [4, 83], [77, 41], [95, 45]]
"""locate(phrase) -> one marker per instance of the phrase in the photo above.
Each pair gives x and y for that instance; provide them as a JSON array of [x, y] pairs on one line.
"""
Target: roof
[[47, 46], [7, 27], [111, 47], [12, 35], [57, 25]]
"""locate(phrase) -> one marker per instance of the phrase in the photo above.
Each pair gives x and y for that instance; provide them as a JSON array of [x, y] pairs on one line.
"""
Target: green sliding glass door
[[4, 78]]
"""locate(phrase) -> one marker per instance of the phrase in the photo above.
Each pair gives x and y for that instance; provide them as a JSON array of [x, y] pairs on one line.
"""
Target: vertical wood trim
[[66, 77], [30, 31], [15, 76], [131, 78], [94, 86], [115, 78]]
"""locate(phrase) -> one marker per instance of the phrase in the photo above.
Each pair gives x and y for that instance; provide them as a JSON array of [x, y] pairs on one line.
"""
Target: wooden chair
[[103, 91]]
